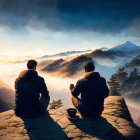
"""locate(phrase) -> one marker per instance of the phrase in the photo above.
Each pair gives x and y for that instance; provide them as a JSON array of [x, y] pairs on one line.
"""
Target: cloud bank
[[110, 16]]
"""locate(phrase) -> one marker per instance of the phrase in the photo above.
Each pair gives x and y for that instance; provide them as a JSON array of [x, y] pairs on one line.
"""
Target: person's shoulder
[[19, 76], [40, 78], [17, 80], [82, 80], [103, 79]]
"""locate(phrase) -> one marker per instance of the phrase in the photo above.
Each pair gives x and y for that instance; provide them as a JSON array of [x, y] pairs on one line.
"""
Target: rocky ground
[[115, 123]]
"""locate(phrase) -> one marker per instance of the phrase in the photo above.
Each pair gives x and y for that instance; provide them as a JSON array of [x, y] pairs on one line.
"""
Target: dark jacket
[[28, 87], [93, 90]]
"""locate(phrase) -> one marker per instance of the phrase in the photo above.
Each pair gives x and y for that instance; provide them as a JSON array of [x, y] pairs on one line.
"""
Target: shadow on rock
[[44, 128], [99, 128]]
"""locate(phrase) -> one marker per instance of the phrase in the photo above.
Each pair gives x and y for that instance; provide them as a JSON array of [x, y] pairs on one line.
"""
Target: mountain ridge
[[70, 67], [126, 47], [67, 53]]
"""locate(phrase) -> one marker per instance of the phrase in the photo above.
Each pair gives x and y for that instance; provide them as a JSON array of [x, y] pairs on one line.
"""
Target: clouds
[[104, 16], [30, 27]]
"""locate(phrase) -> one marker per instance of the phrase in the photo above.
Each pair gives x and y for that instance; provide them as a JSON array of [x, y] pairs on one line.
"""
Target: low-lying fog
[[59, 87]]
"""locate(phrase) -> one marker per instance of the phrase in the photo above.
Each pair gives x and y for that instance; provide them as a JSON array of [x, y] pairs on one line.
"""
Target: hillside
[[65, 68], [128, 77], [135, 113], [68, 53], [70, 68], [135, 62], [115, 123], [100, 54], [111, 58], [6, 97]]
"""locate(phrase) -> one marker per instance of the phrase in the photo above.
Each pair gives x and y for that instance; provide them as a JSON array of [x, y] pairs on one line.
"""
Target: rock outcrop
[[114, 124]]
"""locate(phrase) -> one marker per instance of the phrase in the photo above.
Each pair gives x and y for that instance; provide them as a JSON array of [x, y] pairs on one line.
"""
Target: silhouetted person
[[93, 91], [32, 97]]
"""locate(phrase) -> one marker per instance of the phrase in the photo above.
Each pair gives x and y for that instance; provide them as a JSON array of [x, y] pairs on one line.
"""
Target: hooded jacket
[[93, 90], [28, 87]]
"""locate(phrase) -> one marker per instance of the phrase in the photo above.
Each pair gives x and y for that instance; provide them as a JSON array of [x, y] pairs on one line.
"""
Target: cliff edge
[[115, 123]]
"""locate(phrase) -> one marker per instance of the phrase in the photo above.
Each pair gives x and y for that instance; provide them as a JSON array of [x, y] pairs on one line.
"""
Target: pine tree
[[121, 75], [134, 73], [114, 86], [120, 70]]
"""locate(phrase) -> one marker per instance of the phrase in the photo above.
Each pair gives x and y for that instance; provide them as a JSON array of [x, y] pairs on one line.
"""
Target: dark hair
[[89, 66], [31, 64]]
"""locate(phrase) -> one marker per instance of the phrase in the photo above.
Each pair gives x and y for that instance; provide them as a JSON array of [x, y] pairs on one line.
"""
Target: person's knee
[[73, 99]]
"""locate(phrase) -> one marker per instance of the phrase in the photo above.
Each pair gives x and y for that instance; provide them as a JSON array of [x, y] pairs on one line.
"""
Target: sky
[[41, 27]]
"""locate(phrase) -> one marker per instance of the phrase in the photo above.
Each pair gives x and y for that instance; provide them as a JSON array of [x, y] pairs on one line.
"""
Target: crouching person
[[31, 97], [92, 89]]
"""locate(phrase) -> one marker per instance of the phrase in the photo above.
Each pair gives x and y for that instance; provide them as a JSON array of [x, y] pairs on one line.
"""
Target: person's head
[[89, 66], [31, 64]]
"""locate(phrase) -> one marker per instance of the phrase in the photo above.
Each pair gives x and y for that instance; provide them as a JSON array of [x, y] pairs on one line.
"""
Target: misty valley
[[60, 70]]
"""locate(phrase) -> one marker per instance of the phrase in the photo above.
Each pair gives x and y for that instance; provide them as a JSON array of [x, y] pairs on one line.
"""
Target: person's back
[[29, 85], [93, 90]]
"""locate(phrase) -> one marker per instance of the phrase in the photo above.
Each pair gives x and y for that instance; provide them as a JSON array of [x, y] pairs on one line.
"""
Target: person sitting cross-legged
[[32, 96], [93, 90]]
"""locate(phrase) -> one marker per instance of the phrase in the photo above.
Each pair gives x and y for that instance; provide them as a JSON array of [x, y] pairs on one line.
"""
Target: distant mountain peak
[[129, 43], [126, 47]]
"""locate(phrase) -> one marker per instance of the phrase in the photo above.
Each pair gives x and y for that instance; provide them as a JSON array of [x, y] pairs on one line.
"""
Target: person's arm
[[45, 98], [76, 90], [43, 89]]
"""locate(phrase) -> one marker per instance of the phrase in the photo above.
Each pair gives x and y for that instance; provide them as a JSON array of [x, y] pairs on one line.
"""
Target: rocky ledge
[[114, 124]]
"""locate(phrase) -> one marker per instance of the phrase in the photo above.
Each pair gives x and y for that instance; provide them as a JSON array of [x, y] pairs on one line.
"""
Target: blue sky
[[39, 27]]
